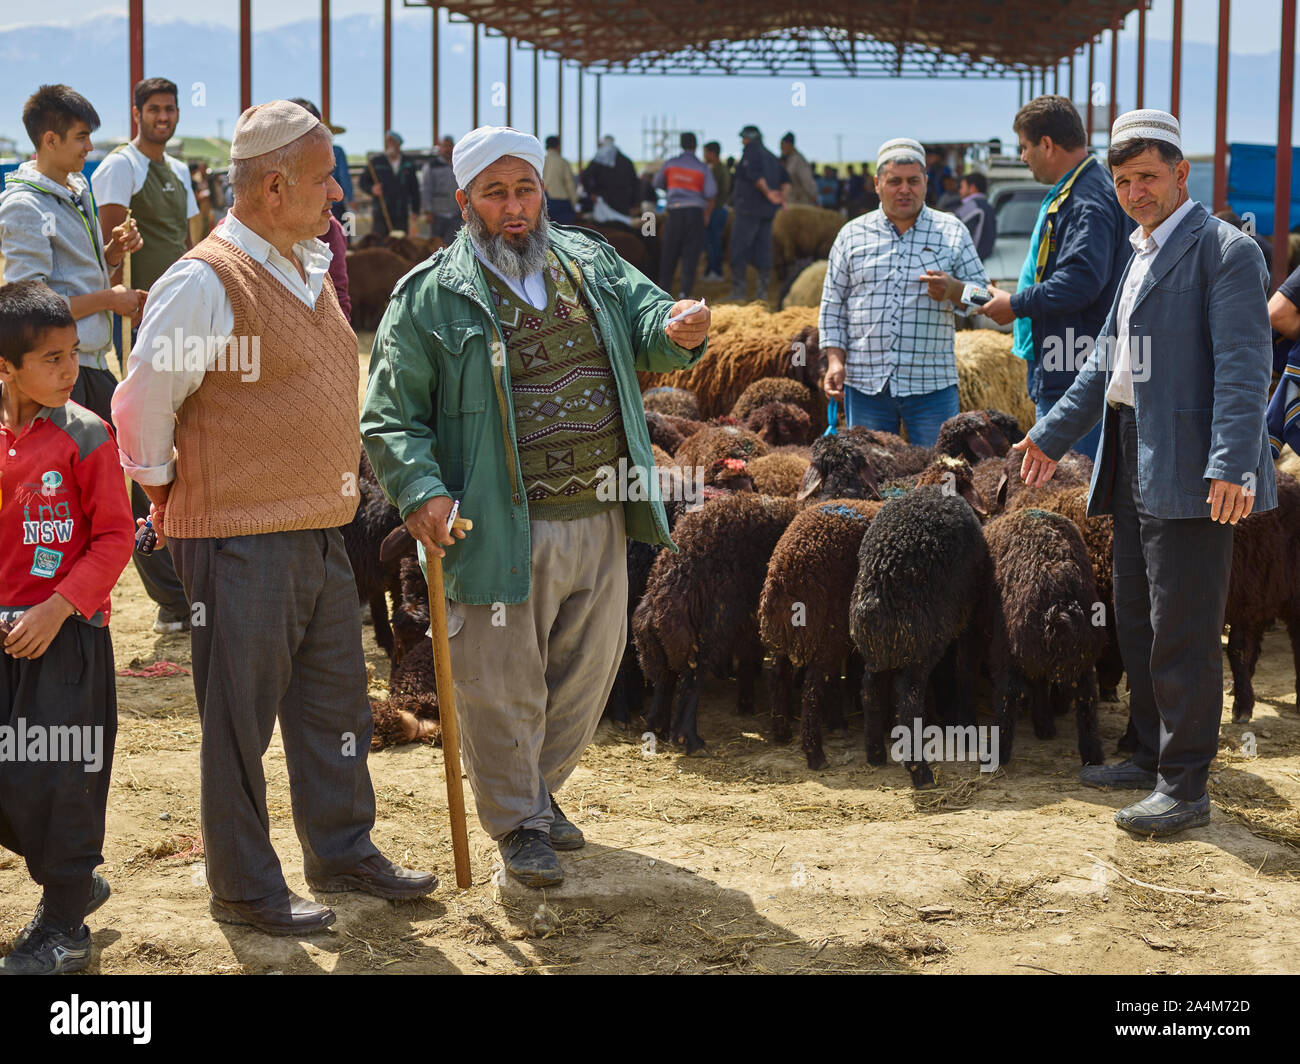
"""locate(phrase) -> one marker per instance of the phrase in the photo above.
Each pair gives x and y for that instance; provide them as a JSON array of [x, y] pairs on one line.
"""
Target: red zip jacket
[[65, 519]]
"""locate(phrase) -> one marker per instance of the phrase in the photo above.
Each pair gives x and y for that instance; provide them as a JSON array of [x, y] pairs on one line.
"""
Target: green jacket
[[438, 417]]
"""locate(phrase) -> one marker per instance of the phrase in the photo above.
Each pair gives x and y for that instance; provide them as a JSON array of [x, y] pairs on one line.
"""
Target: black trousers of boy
[[685, 241], [52, 811], [94, 391]]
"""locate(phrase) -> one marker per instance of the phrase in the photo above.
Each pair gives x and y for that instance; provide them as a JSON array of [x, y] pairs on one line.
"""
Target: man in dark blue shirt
[[756, 197]]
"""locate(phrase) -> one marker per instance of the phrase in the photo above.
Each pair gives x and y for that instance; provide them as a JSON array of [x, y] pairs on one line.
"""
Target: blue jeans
[[1088, 444], [922, 414], [713, 238]]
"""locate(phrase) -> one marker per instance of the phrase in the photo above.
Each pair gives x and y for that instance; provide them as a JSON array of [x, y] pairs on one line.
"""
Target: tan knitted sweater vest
[[281, 452]]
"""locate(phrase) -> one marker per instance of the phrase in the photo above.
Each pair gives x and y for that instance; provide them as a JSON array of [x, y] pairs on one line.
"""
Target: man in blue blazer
[[1179, 378]]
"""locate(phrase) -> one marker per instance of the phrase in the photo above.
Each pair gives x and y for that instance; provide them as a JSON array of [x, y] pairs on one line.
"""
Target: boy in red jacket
[[66, 534]]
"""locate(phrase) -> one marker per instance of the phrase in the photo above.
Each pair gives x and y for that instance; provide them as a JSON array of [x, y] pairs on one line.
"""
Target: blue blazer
[[1203, 310]]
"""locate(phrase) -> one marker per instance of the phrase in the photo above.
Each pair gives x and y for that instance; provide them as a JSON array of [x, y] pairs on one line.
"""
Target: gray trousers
[[281, 637], [530, 688], [94, 390], [1171, 588]]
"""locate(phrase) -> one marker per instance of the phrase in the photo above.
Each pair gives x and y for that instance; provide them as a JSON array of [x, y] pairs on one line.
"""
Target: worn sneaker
[[529, 856], [565, 834], [99, 892], [48, 951], [163, 626]]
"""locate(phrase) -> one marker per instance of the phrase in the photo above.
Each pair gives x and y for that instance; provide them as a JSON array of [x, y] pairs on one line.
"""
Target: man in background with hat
[[504, 377], [391, 179], [1179, 378], [249, 456], [886, 318]]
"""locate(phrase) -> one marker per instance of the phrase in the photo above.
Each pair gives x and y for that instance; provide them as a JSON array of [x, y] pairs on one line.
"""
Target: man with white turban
[[503, 376], [1179, 378], [238, 416], [886, 319]]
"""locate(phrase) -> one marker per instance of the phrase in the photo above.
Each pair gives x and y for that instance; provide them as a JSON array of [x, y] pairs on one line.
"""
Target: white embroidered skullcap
[[1147, 124], [265, 127], [900, 150], [480, 148]]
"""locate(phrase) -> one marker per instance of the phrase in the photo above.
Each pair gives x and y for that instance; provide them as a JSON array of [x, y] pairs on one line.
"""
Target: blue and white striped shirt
[[875, 308]]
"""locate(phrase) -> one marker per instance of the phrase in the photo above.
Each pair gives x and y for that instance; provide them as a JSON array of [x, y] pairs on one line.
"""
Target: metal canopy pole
[[1282, 179], [135, 68], [1221, 113], [388, 66]]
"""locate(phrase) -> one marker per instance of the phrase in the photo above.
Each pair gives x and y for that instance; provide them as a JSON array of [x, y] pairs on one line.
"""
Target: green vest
[[567, 416], [159, 210]]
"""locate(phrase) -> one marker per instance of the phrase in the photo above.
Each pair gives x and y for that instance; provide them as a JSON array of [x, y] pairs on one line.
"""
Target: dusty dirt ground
[[738, 861]]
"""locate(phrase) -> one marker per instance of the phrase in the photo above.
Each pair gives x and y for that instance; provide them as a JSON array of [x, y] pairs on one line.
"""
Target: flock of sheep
[[922, 580]]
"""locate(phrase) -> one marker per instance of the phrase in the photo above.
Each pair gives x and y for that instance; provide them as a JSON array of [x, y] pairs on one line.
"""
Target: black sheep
[[375, 518], [924, 592], [699, 611], [1049, 594]]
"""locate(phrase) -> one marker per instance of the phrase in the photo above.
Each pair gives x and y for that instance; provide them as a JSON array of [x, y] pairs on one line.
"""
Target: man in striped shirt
[[893, 282]]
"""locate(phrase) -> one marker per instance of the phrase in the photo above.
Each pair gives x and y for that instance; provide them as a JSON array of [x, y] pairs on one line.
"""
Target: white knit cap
[[267, 126], [480, 148], [900, 150], [1147, 124]]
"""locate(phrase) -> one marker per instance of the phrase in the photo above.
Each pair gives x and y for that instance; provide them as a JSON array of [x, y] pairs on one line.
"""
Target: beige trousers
[[532, 679]]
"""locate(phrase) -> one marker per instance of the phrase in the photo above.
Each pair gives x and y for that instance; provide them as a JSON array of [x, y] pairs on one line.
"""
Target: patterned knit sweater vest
[[278, 453], [567, 415]]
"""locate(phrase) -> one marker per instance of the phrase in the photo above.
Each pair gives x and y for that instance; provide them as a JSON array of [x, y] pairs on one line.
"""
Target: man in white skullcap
[[1179, 378], [504, 377], [893, 282], [239, 417]]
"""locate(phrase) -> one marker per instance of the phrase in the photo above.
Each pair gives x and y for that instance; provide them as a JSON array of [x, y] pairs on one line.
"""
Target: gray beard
[[515, 261]]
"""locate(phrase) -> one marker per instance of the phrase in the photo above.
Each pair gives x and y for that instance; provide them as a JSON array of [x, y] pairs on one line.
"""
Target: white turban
[[900, 150], [481, 147], [1146, 125]]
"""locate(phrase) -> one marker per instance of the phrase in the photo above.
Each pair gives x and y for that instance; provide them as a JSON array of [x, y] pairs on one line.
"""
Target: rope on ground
[[156, 671]]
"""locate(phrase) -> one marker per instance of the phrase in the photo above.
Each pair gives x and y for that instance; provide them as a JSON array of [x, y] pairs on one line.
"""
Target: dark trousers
[[52, 811], [1171, 587], [713, 238], [751, 243], [280, 636], [685, 241], [94, 390]]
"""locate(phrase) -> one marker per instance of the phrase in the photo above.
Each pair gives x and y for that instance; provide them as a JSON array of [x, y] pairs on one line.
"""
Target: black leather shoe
[[280, 914], [530, 857], [378, 876], [565, 834], [1125, 775], [1162, 814], [99, 892]]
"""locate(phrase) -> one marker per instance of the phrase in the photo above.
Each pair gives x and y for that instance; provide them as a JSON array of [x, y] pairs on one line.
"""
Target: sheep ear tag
[[832, 418], [812, 480]]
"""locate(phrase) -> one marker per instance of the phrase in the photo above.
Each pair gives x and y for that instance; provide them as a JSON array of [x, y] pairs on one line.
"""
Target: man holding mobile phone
[[892, 287]]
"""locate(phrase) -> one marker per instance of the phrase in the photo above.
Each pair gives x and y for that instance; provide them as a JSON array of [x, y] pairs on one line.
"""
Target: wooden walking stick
[[382, 206], [126, 320], [447, 706]]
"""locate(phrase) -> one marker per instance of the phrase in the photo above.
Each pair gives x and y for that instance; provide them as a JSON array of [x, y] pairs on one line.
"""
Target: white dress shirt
[[189, 301], [1145, 248], [531, 289]]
